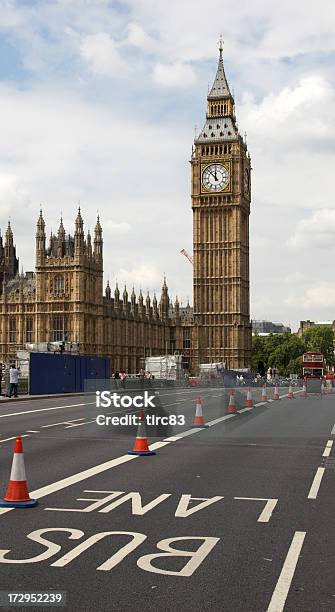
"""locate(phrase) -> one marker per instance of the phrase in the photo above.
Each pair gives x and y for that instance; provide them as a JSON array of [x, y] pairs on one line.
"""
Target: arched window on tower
[[59, 285]]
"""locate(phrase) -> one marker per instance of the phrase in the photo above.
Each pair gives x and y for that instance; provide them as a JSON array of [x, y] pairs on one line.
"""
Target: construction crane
[[186, 254]]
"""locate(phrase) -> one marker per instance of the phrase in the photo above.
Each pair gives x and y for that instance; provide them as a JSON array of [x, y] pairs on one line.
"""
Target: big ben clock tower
[[221, 207]]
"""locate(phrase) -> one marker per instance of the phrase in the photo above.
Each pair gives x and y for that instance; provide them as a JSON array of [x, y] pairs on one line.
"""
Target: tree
[[321, 338]]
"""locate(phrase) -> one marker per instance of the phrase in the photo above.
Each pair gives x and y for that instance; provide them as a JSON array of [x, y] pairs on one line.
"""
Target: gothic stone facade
[[64, 300]]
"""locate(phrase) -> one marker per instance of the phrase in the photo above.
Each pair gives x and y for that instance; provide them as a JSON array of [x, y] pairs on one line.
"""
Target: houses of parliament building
[[64, 298]]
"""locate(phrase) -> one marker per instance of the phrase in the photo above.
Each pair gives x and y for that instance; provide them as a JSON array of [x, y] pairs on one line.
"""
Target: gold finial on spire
[[220, 43]]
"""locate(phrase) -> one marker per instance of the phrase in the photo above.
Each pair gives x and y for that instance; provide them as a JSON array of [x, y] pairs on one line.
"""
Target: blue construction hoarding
[[50, 373]]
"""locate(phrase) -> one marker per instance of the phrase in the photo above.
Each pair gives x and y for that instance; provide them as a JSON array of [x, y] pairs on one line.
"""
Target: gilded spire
[[220, 87]]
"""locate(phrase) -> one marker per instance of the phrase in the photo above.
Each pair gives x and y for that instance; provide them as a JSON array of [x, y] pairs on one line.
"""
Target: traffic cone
[[304, 391], [17, 494], [231, 406], [249, 401], [198, 418], [290, 392], [264, 397], [141, 441], [276, 393]]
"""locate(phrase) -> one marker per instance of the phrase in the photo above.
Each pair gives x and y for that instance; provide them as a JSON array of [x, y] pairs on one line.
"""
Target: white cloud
[[316, 231], [112, 227], [145, 276], [177, 74], [101, 54], [315, 299], [139, 38]]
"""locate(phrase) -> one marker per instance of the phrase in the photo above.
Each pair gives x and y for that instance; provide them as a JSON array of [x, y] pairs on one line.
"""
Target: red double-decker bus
[[313, 365]]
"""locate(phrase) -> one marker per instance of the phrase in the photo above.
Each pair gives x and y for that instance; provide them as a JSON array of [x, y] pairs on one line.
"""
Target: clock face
[[215, 177]]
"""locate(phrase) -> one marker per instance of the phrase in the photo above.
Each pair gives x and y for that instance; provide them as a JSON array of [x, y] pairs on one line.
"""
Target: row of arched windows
[[218, 109], [215, 150]]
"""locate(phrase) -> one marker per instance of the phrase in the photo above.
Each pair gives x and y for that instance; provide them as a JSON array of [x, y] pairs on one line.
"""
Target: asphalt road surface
[[236, 517]]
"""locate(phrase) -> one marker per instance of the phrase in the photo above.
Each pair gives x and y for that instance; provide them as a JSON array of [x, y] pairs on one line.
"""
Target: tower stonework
[[221, 207]]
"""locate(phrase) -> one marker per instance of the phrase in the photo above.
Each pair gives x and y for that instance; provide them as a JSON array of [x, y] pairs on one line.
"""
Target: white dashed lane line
[[14, 438], [313, 492], [328, 448], [280, 593], [62, 423]]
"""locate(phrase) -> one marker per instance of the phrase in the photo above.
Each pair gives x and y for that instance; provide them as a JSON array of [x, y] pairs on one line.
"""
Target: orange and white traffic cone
[[264, 397], [248, 401], [198, 418], [141, 441], [17, 494], [276, 393], [304, 391], [232, 406], [290, 392]]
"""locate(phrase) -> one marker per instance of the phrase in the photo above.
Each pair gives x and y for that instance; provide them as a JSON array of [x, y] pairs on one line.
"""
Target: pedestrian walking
[[123, 377], [13, 380]]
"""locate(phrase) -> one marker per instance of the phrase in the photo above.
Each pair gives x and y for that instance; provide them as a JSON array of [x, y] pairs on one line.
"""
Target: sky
[[99, 103]]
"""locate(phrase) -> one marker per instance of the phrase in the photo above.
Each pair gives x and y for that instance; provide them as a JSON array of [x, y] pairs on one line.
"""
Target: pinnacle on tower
[[117, 294], [61, 239], [108, 291], [133, 300], [40, 223], [89, 244], [220, 123], [79, 241], [220, 87], [98, 242], [125, 296], [9, 235]]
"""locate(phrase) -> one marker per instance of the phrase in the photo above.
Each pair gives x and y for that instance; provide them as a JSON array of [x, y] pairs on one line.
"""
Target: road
[[248, 501]]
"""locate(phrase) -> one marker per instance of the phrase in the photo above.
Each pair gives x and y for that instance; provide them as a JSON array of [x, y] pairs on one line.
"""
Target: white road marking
[[220, 419], [189, 432], [14, 438], [62, 423], [70, 480], [266, 513], [79, 424], [280, 593], [32, 431], [332, 433], [316, 483], [246, 409], [328, 448], [4, 416]]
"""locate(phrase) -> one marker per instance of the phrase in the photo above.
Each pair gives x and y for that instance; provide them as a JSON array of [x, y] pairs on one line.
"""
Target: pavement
[[236, 517]]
